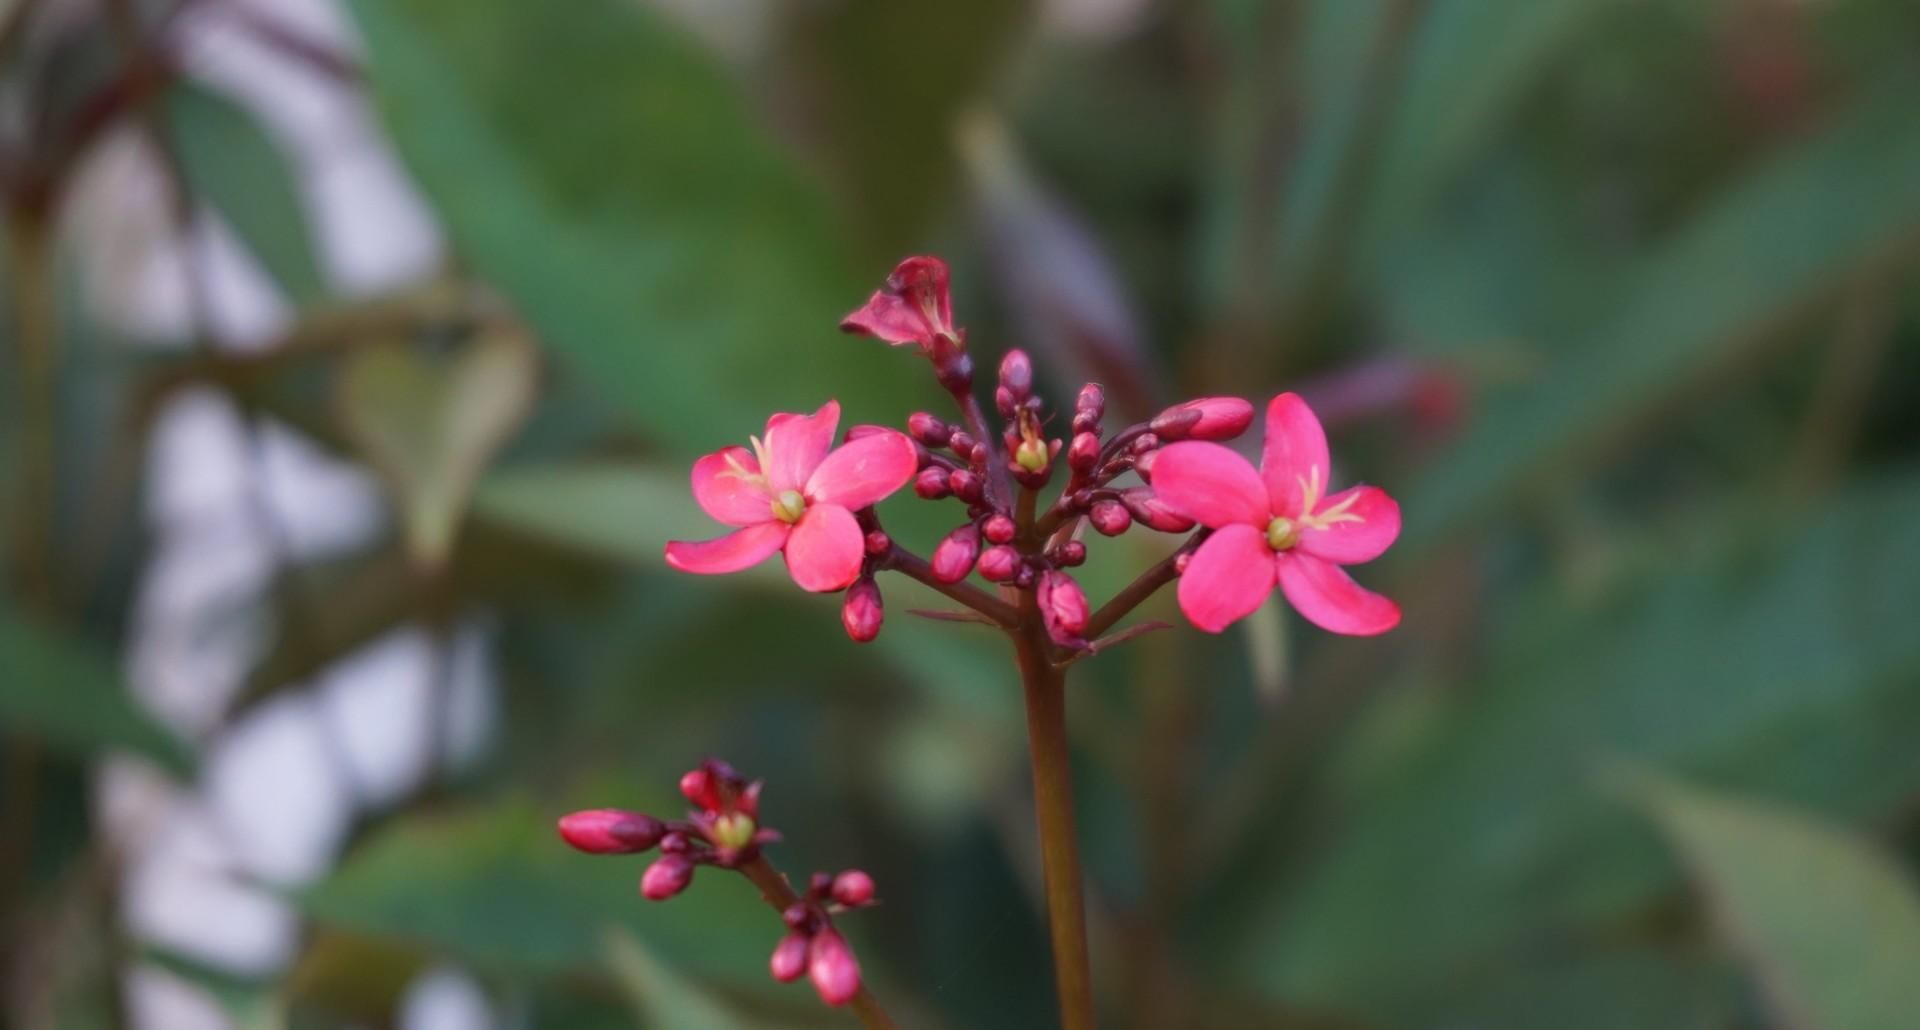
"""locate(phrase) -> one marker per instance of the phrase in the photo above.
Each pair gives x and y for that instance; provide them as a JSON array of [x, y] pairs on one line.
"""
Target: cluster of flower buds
[[723, 830]]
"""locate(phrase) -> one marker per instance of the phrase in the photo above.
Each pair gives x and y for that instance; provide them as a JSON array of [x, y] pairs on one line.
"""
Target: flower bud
[[1209, 418], [878, 542], [667, 876], [798, 916], [701, 788], [999, 529], [1089, 407], [1083, 453], [962, 443], [1143, 465], [611, 831], [1063, 607], [1004, 402], [1069, 554], [1144, 443], [1109, 517], [732, 831], [931, 484], [955, 555], [831, 966], [929, 430], [853, 888], [863, 610], [968, 486], [999, 563], [789, 962], [1149, 510], [1016, 375], [1032, 455]]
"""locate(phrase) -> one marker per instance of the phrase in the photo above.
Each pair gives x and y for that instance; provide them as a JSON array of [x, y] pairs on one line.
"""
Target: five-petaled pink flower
[[1278, 525], [913, 308], [789, 493]]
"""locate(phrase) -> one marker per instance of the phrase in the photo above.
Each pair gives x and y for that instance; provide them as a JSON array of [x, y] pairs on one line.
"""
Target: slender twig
[[916, 567], [780, 895], [1143, 587], [999, 483]]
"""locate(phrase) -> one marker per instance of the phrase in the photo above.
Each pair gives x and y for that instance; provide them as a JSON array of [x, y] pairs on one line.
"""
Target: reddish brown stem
[[916, 567], [1143, 587]]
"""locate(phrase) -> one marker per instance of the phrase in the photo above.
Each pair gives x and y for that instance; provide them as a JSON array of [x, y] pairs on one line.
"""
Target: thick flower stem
[[778, 893], [1053, 813]]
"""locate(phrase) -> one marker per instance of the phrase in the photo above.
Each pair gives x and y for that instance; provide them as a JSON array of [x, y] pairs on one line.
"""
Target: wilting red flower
[[1277, 525], [914, 307], [794, 492]]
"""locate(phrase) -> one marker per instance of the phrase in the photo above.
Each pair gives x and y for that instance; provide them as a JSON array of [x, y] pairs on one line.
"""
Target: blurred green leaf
[[231, 162], [69, 696], [1772, 249], [1830, 924], [1624, 990], [498, 889], [1780, 659], [602, 171], [661, 997], [431, 425]]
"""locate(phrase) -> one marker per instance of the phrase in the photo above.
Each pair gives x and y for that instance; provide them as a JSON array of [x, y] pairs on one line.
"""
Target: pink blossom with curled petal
[[1278, 526], [914, 307], [795, 493]]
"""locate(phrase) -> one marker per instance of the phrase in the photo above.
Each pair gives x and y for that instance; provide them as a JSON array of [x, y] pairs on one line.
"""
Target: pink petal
[[740, 549], [1348, 543], [1330, 599], [889, 317], [864, 471], [1295, 453], [796, 444], [1210, 485], [825, 549], [1228, 577], [727, 495]]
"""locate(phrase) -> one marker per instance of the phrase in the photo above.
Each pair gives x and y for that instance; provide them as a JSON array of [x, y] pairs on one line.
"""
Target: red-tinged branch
[[1133, 594], [780, 895], [916, 567]]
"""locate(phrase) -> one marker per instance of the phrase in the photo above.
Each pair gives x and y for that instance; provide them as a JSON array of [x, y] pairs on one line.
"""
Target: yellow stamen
[[789, 506]]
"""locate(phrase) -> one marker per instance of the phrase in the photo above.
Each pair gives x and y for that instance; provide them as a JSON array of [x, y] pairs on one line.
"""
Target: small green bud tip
[[1282, 534], [734, 830], [1031, 455], [789, 506]]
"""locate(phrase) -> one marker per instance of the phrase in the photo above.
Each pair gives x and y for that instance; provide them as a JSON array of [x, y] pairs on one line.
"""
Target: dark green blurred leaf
[[1779, 660], [1773, 248], [1629, 990], [602, 171], [498, 889], [58, 690], [430, 426], [1830, 924], [663, 998], [230, 162]]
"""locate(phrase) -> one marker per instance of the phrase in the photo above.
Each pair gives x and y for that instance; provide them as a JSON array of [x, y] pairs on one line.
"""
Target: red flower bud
[[1209, 418], [853, 888], [961, 442], [1089, 407], [863, 610], [878, 542], [999, 529], [1109, 517], [1144, 443], [611, 831], [1144, 465], [1004, 402], [1149, 510], [928, 430], [702, 788], [968, 486], [999, 563], [955, 555], [1063, 607], [931, 484], [667, 876], [789, 962], [1069, 554], [831, 965], [1016, 374], [1083, 453]]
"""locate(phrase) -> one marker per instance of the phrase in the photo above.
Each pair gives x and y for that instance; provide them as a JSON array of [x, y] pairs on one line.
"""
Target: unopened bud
[[863, 610], [853, 888], [878, 542], [962, 443], [928, 429], [1063, 607], [1143, 464], [1032, 455], [1109, 517], [1149, 510], [831, 966], [702, 788], [931, 484], [955, 555], [1144, 442], [968, 486], [1004, 402], [1069, 554], [999, 564], [1083, 453], [667, 876], [789, 962], [1089, 407], [611, 831], [1208, 418], [999, 529], [1016, 374]]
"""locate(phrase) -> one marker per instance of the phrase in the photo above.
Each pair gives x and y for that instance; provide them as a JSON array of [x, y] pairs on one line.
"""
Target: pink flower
[[790, 494], [913, 308], [1278, 525]]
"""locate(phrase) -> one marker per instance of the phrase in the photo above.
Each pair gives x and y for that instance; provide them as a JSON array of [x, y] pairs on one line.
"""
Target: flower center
[[788, 506], [1282, 533]]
